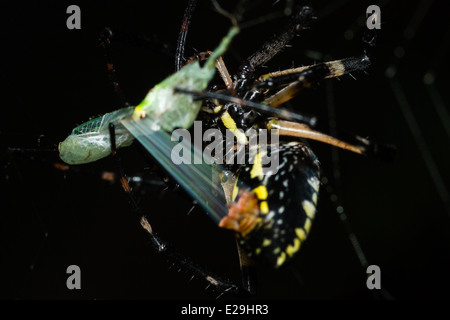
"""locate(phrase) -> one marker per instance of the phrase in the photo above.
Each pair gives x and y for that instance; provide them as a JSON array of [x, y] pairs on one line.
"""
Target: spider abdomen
[[274, 211]]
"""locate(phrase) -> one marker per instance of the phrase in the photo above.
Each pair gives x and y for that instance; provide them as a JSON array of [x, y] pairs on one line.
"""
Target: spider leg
[[220, 66], [348, 142], [105, 42], [296, 79], [299, 130], [263, 108], [248, 270], [297, 22], [179, 55]]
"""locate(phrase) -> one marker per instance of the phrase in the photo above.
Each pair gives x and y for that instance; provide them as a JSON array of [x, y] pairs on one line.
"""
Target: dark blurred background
[[53, 78]]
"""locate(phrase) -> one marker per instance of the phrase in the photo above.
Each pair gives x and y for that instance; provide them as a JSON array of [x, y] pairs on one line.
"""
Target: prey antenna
[[225, 13]]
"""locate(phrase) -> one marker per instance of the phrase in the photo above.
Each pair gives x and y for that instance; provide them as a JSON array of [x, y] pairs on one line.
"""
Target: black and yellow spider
[[270, 211], [271, 214]]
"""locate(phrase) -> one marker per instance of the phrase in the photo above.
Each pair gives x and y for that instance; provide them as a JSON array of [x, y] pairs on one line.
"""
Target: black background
[[54, 78]]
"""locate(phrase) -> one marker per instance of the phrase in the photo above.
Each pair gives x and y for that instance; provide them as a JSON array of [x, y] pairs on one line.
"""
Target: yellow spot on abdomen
[[309, 208], [301, 234], [291, 249], [307, 225], [281, 259], [266, 242], [314, 183], [264, 207], [314, 198], [261, 192]]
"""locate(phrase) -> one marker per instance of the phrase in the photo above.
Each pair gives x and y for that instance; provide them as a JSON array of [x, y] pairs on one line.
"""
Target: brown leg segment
[[294, 80], [293, 129], [220, 66]]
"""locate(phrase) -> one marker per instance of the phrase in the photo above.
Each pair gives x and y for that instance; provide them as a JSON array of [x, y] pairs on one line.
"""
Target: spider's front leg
[[300, 20], [283, 86], [287, 84]]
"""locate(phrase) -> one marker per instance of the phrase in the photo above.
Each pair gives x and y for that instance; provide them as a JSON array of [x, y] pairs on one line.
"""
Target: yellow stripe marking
[[314, 198], [281, 259], [261, 192], [264, 207], [307, 225], [230, 124], [309, 208], [315, 183], [291, 249], [257, 170], [301, 234]]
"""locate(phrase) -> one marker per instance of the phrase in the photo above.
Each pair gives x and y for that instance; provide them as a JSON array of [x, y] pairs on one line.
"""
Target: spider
[[271, 212], [218, 95]]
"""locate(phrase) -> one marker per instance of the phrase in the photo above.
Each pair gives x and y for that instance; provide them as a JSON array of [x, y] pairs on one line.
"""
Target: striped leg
[[296, 79]]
